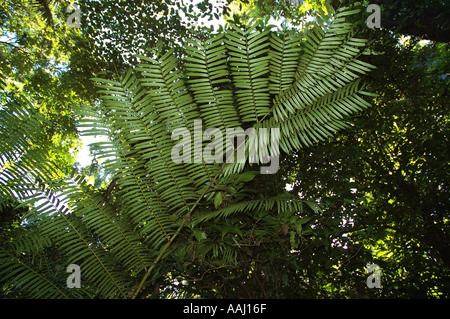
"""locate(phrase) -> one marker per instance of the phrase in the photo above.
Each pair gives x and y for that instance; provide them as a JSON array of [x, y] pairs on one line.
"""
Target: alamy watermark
[[374, 279], [253, 142], [374, 20], [74, 20], [74, 280]]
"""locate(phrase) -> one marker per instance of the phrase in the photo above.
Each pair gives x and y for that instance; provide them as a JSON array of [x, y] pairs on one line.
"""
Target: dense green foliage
[[127, 243], [367, 182], [385, 181]]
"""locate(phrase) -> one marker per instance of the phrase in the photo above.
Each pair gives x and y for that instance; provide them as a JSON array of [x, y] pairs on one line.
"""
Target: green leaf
[[293, 239], [302, 221], [246, 176], [199, 235], [218, 199]]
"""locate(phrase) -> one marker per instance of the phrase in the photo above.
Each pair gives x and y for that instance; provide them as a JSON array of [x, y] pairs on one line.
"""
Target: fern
[[21, 157], [208, 78], [249, 63], [285, 56], [245, 77]]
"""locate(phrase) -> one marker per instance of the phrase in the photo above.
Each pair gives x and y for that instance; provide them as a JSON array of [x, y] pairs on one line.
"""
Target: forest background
[[374, 193]]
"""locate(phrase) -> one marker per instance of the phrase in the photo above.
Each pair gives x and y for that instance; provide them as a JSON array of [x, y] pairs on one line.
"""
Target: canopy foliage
[[363, 178], [131, 237]]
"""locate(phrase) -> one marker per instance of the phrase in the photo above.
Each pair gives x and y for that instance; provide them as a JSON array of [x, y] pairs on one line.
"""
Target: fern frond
[[249, 63], [284, 59], [78, 243], [33, 283], [100, 217], [148, 135], [175, 107], [284, 205], [208, 79], [324, 91], [29, 242], [317, 122], [22, 157], [327, 64]]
